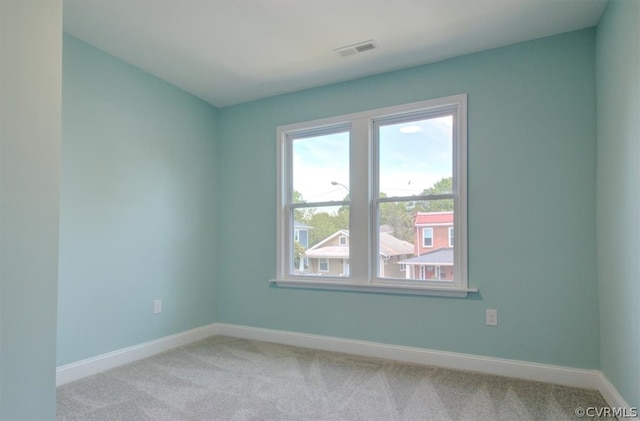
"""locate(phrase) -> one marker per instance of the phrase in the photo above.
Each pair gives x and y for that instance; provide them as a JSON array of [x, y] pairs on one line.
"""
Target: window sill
[[374, 288]]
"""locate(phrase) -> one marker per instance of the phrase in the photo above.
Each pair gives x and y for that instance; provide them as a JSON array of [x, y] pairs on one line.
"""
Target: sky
[[413, 157]]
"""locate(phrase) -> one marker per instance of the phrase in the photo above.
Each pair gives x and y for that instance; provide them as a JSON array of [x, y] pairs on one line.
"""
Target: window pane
[[322, 248], [415, 240], [427, 237], [416, 157], [321, 168]]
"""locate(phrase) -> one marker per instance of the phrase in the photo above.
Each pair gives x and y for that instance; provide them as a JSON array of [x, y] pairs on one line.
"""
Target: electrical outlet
[[157, 306], [492, 317]]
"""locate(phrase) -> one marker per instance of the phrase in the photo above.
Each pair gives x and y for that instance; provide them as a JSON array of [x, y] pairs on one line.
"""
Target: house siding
[[336, 265], [392, 269], [440, 238]]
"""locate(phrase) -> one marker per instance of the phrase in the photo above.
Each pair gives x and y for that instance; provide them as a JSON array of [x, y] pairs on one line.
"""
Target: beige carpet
[[224, 378]]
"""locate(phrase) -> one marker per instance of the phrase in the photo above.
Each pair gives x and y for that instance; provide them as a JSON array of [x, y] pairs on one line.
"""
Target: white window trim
[[424, 237], [449, 232], [320, 259], [341, 242], [363, 228]]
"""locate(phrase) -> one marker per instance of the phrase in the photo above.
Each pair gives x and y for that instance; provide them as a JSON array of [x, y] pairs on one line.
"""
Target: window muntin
[[365, 205], [427, 237]]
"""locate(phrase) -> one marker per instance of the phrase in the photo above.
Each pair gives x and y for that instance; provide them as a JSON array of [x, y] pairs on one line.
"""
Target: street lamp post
[[335, 183]]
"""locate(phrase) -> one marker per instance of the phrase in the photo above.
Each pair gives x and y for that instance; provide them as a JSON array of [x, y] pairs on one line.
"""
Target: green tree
[[301, 215], [298, 253], [445, 185], [342, 218], [399, 217], [324, 224], [298, 214]]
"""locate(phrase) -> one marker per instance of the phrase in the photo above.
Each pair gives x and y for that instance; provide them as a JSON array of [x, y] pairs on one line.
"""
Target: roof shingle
[[443, 256], [426, 218]]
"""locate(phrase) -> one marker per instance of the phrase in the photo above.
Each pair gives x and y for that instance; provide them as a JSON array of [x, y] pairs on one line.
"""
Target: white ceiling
[[231, 51]]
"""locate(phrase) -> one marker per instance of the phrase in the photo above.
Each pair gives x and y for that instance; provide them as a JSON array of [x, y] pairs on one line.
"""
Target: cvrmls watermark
[[606, 412]]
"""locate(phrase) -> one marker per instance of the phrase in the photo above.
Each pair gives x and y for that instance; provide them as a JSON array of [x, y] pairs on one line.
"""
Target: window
[[366, 185], [427, 237], [296, 236]]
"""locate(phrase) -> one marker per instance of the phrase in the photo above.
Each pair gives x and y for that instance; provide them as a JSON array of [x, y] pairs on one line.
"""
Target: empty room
[[319, 210]]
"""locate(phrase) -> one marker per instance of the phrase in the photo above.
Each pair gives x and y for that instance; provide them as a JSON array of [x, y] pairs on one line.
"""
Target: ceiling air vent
[[358, 48]]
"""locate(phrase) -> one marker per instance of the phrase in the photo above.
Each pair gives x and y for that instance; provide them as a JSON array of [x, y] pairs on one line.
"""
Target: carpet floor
[[223, 378]]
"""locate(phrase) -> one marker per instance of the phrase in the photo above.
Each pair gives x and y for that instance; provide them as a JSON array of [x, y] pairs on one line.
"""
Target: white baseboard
[[84, 368], [611, 395], [575, 377], [566, 376]]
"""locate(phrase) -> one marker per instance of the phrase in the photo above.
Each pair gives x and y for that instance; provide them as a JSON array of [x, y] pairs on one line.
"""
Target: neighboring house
[[433, 230], [392, 252], [301, 233], [330, 256], [434, 265], [433, 247], [301, 236]]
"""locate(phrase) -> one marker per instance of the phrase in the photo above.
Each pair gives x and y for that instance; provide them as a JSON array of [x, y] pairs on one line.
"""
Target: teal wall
[[532, 236], [30, 97], [618, 209], [163, 196], [137, 206]]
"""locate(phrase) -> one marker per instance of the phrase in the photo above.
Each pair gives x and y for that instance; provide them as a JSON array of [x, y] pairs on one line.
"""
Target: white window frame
[[363, 225], [328, 269], [452, 238], [342, 240], [424, 237]]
